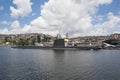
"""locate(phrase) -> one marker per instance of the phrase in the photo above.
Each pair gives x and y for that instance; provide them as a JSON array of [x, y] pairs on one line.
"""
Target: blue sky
[[5, 14], [33, 16], [114, 7]]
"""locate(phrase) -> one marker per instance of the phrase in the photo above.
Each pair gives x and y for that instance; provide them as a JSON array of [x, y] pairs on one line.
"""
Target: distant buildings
[[36, 38], [30, 37], [115, 36], [95, 40]]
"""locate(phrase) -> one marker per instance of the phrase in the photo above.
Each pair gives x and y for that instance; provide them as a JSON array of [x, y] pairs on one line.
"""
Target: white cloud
[[23, 8], [4, 22], [26, 29], [4, 31], [1, 8], [71, 16], [112, 25], [15, 25]]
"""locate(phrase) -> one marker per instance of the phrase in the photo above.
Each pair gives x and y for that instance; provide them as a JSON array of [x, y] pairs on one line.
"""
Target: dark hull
[[59, 48], [89, 47]]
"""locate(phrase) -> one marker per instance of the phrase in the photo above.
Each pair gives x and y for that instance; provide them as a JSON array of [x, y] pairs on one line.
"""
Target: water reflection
[[59, 57], [59, 54]]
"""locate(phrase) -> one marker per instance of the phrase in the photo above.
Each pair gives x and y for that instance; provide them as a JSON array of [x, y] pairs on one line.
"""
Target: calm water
[[20, 64]]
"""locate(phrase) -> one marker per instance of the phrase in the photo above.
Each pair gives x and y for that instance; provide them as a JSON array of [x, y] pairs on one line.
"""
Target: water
[[23, 64]]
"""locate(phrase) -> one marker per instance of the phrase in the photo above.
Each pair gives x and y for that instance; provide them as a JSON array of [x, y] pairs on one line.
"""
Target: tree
[[13, 42], [38, 38], [22, 42], [33, 42], [46, 38], [6, 39]]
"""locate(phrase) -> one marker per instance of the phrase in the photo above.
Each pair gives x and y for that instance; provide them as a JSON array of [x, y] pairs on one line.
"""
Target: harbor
[[60, 44], [59, 39], [42, 41]]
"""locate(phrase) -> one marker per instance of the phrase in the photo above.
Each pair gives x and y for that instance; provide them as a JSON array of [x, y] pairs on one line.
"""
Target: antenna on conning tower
[[59, 35], [66, 35]]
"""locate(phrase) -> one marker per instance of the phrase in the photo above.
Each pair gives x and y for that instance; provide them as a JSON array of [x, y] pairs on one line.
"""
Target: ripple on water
[[59, 65]]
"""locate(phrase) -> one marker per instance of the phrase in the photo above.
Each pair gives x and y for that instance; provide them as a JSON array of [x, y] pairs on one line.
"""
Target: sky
[[75, 17]]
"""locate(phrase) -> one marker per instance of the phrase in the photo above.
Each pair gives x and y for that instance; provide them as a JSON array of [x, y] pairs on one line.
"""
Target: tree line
[[32, 41]]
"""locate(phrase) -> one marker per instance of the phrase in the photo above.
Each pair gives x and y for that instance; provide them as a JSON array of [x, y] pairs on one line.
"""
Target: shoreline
[[62, 48], [49, 47]]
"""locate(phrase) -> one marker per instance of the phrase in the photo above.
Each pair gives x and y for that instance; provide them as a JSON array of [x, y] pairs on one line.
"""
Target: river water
[[35, 64]]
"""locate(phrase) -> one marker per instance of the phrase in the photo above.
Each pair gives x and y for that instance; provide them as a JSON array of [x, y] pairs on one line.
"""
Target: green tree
[[13, 42], [6, 39], [22, 42], [33, 41], [38, 39], [46, 38]]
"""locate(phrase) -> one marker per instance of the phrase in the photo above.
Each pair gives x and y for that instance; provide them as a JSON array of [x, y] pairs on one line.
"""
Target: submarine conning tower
[[59, 42]]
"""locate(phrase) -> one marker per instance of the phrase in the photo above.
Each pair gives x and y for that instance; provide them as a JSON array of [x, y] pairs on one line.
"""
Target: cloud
[[4, 22], [75, 17], [1, 8], [17, 29], [112, 25], [15, 25], [23, 8], [4, 31]]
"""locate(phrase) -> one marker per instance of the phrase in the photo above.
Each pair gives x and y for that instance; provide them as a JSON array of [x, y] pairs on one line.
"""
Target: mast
[[59, 35]]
